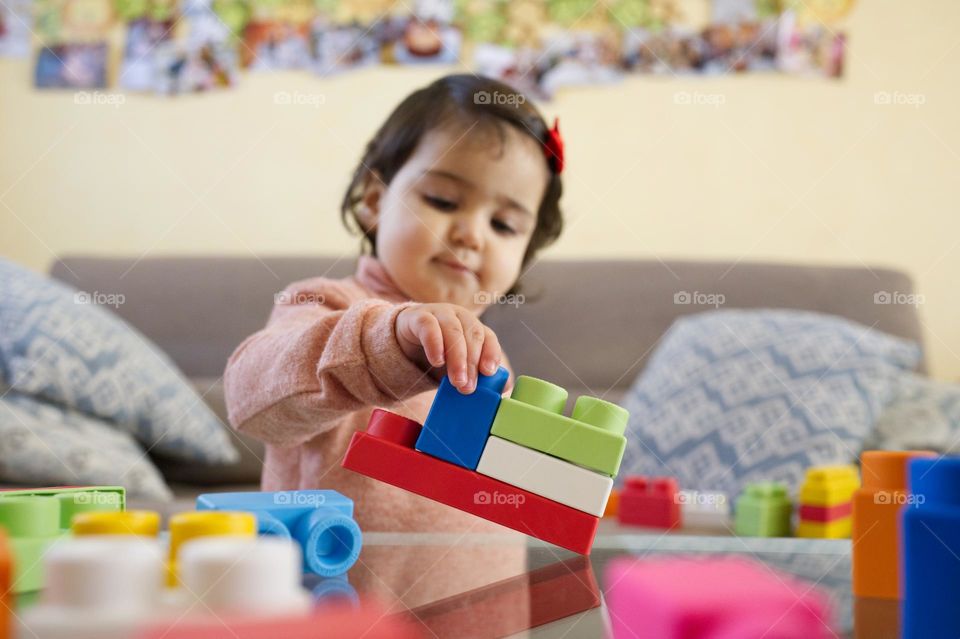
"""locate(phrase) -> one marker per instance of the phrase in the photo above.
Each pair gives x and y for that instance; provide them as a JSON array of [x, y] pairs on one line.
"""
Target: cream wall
[[801, 170]]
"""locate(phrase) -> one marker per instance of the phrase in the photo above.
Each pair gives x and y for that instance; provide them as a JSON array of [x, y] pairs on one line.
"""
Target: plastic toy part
[[591, 437], [110, 586], [37, 517], [876, 507], [384, 453], [546, 476], [613, 504], [189, 525], [711, 599], [6, 578], [129, 522], [826, 502], [321, 521], [98, 587], [763, 510], [650, 501], [457, 426], [931, 541], [237, 575]]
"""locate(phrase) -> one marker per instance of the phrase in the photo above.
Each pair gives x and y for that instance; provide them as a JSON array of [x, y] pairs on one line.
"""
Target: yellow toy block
[[829, 485], [836, 529]]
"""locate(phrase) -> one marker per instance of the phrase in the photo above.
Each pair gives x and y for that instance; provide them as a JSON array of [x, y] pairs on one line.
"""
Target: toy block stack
[[826, 502], [36, 518], [763, 510], [516, 461], [650, 501]]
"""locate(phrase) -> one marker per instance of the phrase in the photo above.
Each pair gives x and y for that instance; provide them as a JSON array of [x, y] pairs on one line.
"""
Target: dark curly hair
[[453, 96]]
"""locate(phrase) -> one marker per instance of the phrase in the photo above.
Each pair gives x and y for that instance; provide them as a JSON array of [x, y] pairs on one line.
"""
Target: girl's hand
[[448, 335]]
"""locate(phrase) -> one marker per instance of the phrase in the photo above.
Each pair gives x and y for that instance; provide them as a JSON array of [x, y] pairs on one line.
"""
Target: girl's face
[[454, 223]]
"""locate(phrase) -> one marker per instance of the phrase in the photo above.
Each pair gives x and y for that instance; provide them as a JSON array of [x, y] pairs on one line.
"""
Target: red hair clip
[[553, 148]]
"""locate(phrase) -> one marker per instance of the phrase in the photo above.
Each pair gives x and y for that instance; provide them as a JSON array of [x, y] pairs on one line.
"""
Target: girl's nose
[[467, 231]]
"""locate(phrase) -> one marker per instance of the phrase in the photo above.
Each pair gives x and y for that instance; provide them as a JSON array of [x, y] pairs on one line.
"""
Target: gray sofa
[[586, 325]]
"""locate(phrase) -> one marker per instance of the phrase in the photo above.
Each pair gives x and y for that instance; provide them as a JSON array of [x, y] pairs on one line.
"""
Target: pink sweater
[[310, 379]]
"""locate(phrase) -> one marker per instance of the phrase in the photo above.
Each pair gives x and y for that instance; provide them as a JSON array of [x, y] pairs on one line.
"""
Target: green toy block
[[35, 518], [533, 417], [763, 510]]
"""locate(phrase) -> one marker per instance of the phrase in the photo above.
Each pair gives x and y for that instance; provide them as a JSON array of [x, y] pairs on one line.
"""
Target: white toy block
[[111, 586], [97, 588], [252, 576], [545, 475]]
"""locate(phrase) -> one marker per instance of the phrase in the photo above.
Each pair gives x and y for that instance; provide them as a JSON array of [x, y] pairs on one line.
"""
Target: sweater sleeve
[[313, 365]]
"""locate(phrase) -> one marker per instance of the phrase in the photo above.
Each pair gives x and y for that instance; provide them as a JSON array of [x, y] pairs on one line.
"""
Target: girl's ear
[[368, 210]]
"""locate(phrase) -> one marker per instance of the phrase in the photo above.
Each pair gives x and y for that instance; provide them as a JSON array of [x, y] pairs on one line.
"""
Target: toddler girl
[[454, 196]]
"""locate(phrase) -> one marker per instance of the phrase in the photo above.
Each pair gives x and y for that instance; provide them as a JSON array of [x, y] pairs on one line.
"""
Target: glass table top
[[505, 585]]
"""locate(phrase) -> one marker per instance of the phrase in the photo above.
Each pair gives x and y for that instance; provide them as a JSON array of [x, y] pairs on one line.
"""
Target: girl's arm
[[314, 363]]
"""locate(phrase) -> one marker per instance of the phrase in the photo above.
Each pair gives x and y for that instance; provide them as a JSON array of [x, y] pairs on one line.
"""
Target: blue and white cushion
[[924, 414], [734, 396], [43, 444], [56, 345]]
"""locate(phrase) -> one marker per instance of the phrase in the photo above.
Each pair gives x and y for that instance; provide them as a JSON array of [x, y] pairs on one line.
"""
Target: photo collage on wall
[[173, 47]]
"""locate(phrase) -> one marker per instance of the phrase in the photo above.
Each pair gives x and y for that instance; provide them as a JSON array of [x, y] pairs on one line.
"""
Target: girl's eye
[[440, 203], [503, 227]]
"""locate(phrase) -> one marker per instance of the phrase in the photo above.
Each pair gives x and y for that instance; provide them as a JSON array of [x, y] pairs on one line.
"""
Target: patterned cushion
[[924, 414], [55, 345], [734, 396], [43, 444]]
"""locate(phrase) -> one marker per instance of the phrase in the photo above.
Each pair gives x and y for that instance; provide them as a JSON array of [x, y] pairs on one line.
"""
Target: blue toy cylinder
[[930, 537], [330, 540]]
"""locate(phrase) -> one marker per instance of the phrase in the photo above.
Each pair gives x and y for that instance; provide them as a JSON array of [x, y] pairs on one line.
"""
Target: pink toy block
[[650, 501], [711, 599]]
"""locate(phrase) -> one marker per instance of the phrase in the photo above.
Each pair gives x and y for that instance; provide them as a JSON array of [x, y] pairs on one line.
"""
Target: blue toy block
[[930, 538], [321, 521], [457, 426]]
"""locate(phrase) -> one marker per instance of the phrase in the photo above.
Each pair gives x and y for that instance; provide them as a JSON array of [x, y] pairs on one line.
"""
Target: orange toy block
[[876, 507]]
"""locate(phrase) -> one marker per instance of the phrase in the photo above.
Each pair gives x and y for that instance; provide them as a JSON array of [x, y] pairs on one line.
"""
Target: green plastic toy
[[533, 417], [35, 518], [763, 510]]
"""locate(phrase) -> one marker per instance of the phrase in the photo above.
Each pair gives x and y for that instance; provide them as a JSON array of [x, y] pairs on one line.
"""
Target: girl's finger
[[474, 334], [490, 357], [454, 348], [427, 329]]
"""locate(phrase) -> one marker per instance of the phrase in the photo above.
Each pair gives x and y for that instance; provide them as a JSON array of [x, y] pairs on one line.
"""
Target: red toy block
[[511, 606], [650, 501], [385, 452], [825, 513], [343, 622]]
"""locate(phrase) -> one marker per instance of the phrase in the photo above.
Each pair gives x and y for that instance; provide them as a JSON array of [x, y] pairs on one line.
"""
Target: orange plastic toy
[[876, 506], [6, 574]]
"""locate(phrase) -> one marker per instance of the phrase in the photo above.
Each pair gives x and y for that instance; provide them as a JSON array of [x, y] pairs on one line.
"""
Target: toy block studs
[[190, 525], [457, 426], [532, 417]]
